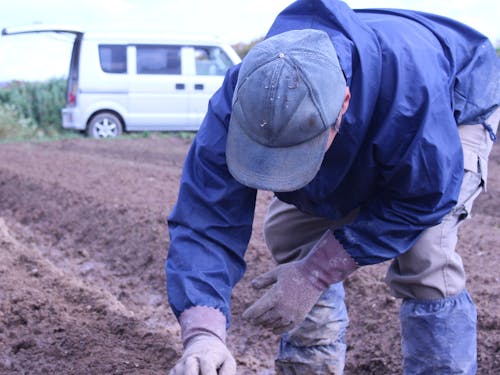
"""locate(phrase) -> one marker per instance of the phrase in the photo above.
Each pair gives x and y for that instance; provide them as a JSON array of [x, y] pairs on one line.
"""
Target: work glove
[[297, 286], [205, 353]]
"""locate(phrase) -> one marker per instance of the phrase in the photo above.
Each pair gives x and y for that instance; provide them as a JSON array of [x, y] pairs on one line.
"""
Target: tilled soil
[[83, 236]]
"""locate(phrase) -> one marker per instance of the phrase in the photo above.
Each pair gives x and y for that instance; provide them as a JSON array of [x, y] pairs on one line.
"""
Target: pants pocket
[[472, 186]]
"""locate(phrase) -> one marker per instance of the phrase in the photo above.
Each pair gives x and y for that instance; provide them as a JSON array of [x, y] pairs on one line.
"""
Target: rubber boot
[[439, 336], [317, 345]]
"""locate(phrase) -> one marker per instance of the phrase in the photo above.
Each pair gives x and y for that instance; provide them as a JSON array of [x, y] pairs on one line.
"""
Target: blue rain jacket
[[413, 77]]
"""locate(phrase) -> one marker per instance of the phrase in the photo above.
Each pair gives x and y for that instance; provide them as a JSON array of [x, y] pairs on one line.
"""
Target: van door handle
[[199, 86], [180, 86]]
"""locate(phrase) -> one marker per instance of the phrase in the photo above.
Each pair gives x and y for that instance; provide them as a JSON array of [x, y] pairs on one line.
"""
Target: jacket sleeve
[[211, 223]]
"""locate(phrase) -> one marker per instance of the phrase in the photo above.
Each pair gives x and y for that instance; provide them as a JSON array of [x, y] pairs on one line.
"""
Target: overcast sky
[[33, 57]]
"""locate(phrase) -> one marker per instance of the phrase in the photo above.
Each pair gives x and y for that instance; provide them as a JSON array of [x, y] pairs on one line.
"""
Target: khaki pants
[[431, 269]]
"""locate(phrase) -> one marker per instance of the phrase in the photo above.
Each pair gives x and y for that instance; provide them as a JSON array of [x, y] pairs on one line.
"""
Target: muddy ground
[[83, 238]]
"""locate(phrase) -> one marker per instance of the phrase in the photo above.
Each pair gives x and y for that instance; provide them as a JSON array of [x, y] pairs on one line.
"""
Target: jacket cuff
[[327, 262], [202, 320]]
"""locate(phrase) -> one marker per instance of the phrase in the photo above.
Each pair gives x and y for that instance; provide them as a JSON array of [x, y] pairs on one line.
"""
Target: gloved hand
[[203, 331], [288, 301], [297, 286], [205, 354]]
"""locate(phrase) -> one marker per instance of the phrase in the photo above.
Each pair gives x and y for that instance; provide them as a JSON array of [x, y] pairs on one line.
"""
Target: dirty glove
[[297, 286], [205, 354], [203, 335]]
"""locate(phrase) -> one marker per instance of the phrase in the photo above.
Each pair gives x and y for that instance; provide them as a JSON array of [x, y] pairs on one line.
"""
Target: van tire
[[104, 125]]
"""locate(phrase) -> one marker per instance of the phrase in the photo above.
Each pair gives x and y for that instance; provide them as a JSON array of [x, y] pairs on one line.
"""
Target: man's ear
[[345, 104]]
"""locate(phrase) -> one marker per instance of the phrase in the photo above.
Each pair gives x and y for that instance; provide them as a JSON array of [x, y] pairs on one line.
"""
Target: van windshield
[[211, 61]]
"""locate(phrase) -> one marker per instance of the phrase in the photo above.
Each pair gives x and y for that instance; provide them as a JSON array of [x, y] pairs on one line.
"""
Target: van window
[[158, 59], [113, 58], [211, 61]]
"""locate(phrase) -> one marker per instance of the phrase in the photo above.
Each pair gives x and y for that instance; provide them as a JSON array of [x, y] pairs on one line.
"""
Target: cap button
[[281, 55]]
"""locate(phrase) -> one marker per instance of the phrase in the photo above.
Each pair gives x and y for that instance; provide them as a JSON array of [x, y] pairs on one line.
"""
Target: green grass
[[13, 125], [32, 110]]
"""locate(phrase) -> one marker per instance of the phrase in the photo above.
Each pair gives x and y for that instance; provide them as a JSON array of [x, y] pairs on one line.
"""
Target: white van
[[138, 82]]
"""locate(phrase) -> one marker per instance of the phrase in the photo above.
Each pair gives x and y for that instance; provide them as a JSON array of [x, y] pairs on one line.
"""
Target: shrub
[[39, 103], [13, 125], [243, 48]]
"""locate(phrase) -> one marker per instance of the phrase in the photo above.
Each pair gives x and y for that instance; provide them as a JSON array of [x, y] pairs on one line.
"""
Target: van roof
[[123, 36], [138, 37]]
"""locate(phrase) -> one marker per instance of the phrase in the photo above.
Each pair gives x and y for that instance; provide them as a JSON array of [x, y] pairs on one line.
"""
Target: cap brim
[[278, 169]]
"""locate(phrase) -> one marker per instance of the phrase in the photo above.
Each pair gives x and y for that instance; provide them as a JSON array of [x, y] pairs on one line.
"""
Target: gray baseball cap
[[289, 94]]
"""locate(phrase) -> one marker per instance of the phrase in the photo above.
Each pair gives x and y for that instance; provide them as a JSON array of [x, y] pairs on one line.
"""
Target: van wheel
[[104, 125]]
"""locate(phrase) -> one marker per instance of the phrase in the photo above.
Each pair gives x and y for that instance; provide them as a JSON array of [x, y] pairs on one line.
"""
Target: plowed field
[[83, 239]]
